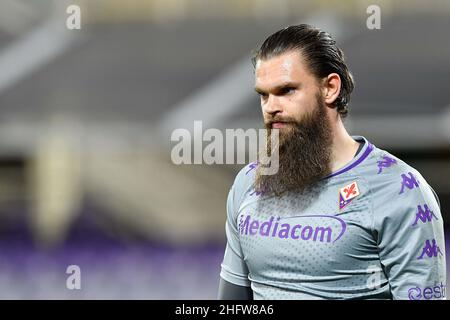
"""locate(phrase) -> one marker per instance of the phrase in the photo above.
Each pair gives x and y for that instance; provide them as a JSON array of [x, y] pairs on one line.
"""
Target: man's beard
[[304, 154]]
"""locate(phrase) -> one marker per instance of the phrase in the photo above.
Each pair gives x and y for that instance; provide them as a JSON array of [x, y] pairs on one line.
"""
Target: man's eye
[[262, 95], [287, 90]]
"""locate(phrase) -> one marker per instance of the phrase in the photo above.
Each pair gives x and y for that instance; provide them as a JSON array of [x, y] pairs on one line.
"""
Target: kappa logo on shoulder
[[347, 194]]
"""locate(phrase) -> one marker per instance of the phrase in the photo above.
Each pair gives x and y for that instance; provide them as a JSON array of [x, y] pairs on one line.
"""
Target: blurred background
[[86, 116]]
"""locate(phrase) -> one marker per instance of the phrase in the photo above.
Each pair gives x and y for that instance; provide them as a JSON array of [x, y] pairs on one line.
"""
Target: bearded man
[[341, 219]]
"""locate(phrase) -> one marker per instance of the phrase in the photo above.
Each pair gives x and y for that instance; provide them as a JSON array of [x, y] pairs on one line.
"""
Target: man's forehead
[[281, 68]]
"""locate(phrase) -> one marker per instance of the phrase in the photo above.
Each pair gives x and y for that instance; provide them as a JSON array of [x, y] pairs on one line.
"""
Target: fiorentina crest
[[347, 194]]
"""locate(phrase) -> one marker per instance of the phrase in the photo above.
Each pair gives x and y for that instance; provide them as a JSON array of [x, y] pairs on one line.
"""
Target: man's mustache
[[270, 121]]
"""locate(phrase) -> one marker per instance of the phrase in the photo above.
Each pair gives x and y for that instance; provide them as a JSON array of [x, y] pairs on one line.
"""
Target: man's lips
[[278, 124]]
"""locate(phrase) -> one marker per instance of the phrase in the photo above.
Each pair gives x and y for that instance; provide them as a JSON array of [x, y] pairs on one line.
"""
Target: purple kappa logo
[[256, 193], [424, 214], [385, 163], [431, 250], [251, 166], [321, 228], [409, 182]]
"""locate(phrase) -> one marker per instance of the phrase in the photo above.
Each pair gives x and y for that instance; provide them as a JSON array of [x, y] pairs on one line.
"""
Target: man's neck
[[344, 147]]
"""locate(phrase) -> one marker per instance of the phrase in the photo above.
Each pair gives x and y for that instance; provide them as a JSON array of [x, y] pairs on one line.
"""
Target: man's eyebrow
[[258, 90], [279, 87]]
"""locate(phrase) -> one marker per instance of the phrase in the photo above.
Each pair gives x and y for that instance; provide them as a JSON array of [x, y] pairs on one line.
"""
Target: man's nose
[[273, 105]]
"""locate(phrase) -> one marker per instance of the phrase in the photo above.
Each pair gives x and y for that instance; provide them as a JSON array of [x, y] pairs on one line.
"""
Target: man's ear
[[331, 88]]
